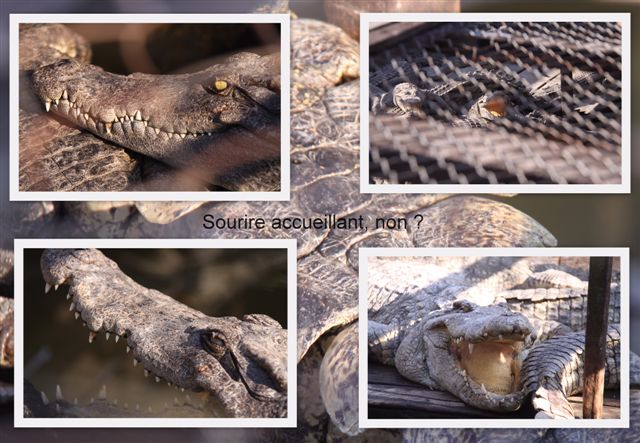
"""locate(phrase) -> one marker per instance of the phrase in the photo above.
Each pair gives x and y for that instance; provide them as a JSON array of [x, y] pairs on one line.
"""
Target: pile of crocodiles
[[490, 330], [324, 179]]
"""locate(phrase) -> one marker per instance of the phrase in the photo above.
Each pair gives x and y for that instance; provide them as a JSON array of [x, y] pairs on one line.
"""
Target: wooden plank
[[596, 335], [392, 396], [611, 405]]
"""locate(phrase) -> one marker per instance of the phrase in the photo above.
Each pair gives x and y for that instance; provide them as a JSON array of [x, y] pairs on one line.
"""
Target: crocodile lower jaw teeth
[[93, 334]]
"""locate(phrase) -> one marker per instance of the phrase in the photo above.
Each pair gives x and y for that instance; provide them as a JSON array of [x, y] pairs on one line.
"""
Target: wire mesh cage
[[496, 103]]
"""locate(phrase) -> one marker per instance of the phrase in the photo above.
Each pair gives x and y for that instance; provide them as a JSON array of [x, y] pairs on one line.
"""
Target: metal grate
[[496, 103]]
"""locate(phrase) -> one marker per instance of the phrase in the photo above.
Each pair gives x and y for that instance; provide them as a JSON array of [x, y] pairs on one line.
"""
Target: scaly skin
[[324, 179], [426, 321], [188, 121], [241, 363], [6, 332], [553, 371], [219, 126]]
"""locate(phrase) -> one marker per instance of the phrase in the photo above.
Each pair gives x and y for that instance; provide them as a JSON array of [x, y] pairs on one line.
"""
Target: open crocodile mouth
[[491, 364]]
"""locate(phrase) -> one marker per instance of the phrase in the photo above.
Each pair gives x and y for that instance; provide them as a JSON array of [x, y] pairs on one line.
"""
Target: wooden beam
[[596, 335]]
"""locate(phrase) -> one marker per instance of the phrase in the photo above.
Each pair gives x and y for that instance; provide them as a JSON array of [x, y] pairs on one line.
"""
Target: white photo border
[[366, 422], [288, 422], [624, 187], [284, 20]]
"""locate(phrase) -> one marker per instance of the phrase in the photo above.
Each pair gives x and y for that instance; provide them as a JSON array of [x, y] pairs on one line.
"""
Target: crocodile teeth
[[128, 349], [208, 133], [145, 123], [135, 362], [181, 389], [182, 135], [169, 383], [107, 335], [55, 287], [47, 288], [116, 338], [92, 336], [146, 373], [471, 346], [59, 396], [72, 306], [77, 314], [44, 398], [64, 95], [107, 127], [483, 388], [47, 105], [68, 296], [499, 336], [55, 101], [102, 395], [157, 379], [157, 130], [138, 116]]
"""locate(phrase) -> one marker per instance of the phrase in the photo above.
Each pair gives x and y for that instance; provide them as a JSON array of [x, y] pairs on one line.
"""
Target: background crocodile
[[219, 126], [448, 323], [324, 177]]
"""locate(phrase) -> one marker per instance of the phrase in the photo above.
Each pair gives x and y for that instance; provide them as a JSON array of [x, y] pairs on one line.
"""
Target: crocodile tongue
[[494, 364]]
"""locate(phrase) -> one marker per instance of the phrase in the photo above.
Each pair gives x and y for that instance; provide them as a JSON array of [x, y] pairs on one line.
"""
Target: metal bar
[[596, 335]]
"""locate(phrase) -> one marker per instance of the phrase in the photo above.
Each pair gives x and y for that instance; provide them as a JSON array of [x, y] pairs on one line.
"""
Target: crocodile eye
[[220, 85], [463, 305], [215, 343]]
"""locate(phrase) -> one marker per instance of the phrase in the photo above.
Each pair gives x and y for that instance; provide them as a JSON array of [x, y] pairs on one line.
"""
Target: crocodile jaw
[[492, 365], [165, 336], [194, 121], [471, 378], [475, 352]]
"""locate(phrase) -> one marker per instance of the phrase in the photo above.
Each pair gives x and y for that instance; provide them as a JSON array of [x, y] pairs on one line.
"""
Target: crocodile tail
[[553, 370]]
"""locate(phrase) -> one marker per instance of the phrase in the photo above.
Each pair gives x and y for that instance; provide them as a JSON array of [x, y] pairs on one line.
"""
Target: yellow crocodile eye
[[221, 85]]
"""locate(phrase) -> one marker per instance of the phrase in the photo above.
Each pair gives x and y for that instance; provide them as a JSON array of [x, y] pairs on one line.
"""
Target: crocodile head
[[213, 122], [241, 363], [475, 352]]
